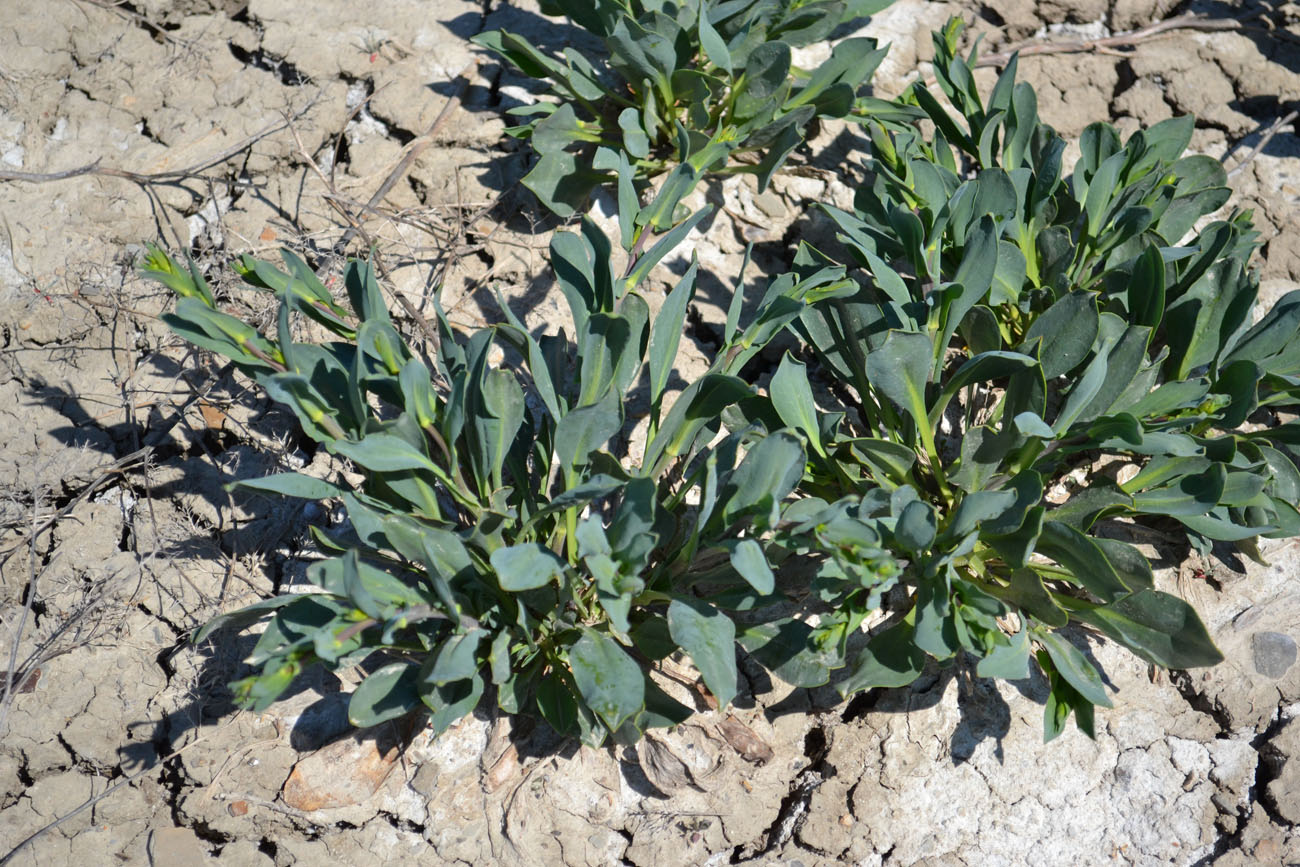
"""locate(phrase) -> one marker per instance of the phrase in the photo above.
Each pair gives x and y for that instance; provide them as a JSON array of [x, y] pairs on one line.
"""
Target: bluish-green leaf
[[900, 368], [709, 637], [525, 567], [1074, 667], [748, 559], [291, 485], [1158, 627], [1067, 331], [666, 334], [916, 526], [792, 398], [388, 693], [1009, 661], [455, 659], [890, 659], [609, 680]]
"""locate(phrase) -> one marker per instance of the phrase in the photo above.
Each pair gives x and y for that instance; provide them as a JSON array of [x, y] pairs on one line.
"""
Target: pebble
[[1275, 653], [175, 847]]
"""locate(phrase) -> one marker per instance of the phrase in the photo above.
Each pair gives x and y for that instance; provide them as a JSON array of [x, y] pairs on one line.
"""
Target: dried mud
[[224, 126]]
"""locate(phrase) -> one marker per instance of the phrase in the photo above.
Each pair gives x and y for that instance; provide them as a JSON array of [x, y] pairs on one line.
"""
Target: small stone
[[345, 772], [771, 204], [175, 847], [238, 808], [1266, 851], [1275, 653], [846, 820]]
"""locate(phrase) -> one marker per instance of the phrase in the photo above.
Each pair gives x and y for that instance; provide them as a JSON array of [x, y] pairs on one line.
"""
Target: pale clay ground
[[115, 439]]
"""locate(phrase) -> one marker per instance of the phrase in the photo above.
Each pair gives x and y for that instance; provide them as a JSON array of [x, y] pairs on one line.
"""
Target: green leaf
[[976, 508], [786, 648], [640, 53], [525, 567], [1082, 393], [766, 76], [562, 182], [886, 459], [383, 453], [1083, 558], [709, 637], [1146, 289], [1029, 424], [916, 526], [748, 559], [715, 49], [900, 369], [701, 402], [890, 659], [498, 415], [560, 129], [455, 659], [376, 592], [1009, 277], [584, 430], [449, 702], [291, 485], [244, 617], [1158, 627], [1063, 700], [1192, 494], [1009, 661], [766, 475], [851, 62], [1074, 667], [1067, 331], [792, 398], [388, 693], [1273, 343], [1028, 593], [609, 680], [666, 334], [665, 245], [1122, 366], [974, 275], [984, 367], [936, 631]]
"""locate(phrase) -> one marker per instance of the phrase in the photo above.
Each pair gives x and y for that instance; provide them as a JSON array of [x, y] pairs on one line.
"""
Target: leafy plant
[[1021, 333], [498, 542], [689, 87], [1034, 366]]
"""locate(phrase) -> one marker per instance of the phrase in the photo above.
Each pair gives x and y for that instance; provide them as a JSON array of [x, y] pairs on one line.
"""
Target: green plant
[[691, 86], [497, 541], [1023, 331], [1033, 364]]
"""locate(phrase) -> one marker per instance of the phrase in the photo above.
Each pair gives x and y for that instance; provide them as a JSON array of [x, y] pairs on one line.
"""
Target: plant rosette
[[1018, 328], [497, 543], [693, 88]]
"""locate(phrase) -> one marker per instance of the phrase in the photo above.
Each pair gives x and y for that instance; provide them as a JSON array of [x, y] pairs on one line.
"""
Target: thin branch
[[1105, 44], [1263, 142], [90, 802], [415, 149], [113, 469], [12, 679], [94, 168]]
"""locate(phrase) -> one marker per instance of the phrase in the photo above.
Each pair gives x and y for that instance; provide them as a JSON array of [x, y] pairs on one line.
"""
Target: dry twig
[[1273, 130], [144, 178]]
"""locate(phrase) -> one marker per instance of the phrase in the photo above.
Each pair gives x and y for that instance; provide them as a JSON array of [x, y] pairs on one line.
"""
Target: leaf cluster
[[690, 87], [1019, 327], [1019, 367], [502, 538]]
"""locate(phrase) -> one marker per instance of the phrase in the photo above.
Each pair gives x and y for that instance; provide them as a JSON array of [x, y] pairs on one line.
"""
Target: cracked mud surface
[[231, 126]]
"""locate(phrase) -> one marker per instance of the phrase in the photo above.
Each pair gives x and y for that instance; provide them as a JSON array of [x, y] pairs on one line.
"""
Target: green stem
[[936, 466]]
